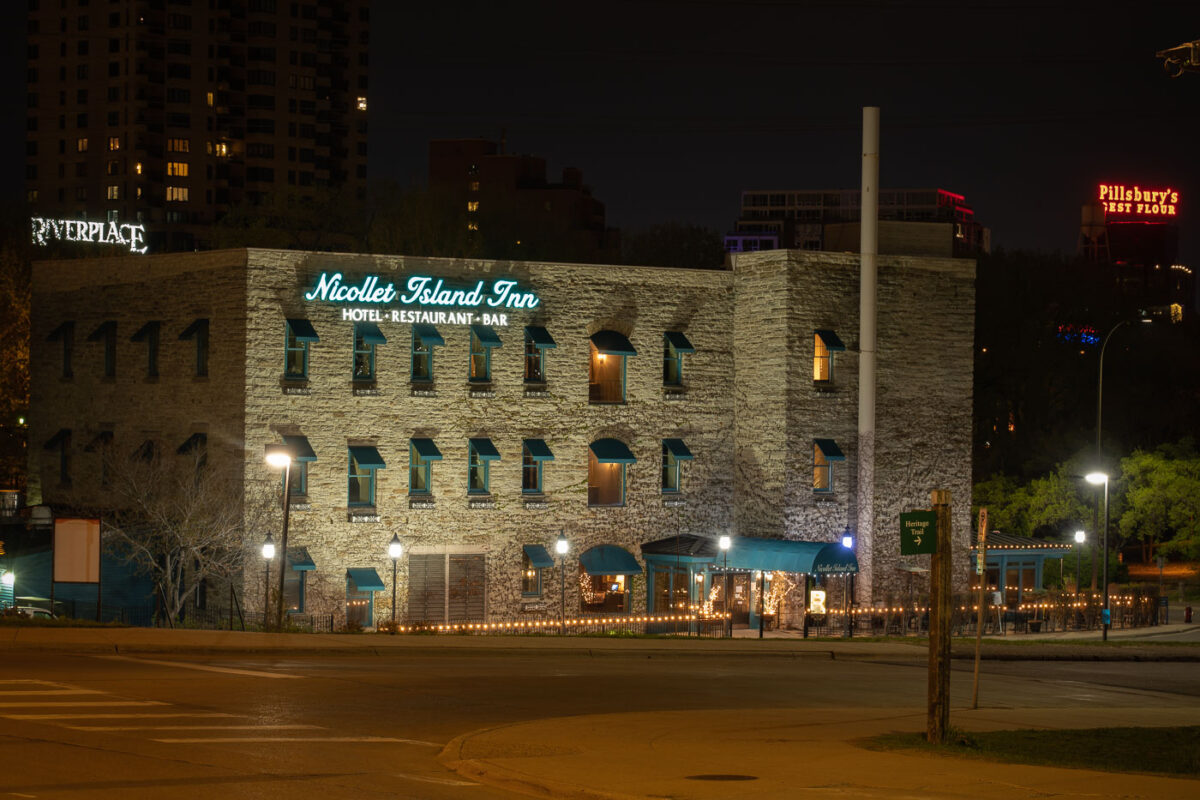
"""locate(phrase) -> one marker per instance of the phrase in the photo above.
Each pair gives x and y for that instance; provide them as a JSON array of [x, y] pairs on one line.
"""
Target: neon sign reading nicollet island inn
[[421, 290]]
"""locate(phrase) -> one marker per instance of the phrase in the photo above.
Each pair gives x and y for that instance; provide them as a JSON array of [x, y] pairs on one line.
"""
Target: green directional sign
[[918, 533]]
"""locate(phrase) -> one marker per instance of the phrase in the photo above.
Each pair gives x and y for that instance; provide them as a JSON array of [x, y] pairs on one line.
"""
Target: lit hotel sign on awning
[[44, 231], [430, 300], [1117, 198]]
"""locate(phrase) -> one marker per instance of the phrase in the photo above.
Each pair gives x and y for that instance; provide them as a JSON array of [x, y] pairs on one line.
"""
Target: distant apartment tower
[[170, 112], [493, 183], [828, 220]]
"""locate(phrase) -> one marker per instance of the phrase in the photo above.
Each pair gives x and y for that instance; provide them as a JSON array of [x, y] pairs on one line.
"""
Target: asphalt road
[[364, 726]]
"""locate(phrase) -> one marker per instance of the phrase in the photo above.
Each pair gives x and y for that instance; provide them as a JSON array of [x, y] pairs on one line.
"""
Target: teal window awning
[[540, 337], [428, 335], [301, 449], [612, 451], [679, 342], [146, 331], [608, 559], [367, 457], [612, 343], [487, 335], [303, 330], [299, 559], [426, 449], [538, 450], [809, 558], [832, 342], [830, 450], [365, 579], [677, 448], [485, 449], [539, 557], [369, 332]]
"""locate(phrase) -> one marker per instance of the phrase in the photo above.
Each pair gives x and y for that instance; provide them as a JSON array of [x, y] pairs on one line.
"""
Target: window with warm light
[[137, 168], [366, 336], [537, 341], [362, 104], [825, 344], [114, 143], [534, 454], [472, 226], [472, 206], [178, 145], [606, 472], [177, 169], [825, 453], [480, 454], [602, 594], [606, 367], [299, 334], [113, 192], [422, 358], [81, 145], [208, 98], [531, 577], [483, 339], [177, 194]]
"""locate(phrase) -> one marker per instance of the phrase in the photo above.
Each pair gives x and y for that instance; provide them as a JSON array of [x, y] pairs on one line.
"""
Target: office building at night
[[169, 114]]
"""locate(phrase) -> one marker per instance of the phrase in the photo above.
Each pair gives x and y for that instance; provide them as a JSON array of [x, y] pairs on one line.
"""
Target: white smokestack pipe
[[869, 253]]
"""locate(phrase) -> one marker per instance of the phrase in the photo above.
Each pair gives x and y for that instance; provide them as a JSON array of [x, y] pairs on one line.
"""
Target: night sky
[[671, 108]]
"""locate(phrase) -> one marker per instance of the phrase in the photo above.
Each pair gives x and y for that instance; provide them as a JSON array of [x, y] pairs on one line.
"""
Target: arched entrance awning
[[608, 559]]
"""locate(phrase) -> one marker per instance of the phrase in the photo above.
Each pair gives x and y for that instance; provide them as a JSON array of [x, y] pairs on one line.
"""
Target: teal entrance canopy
[[748, 553]]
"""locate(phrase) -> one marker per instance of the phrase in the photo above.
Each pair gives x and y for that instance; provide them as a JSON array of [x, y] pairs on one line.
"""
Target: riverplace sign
[[429, 296], [44, 231]]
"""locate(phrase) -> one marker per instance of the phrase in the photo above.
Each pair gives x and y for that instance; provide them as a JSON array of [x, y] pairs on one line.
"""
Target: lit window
[[177, 194], [534, 454], [424, 337], [483, 339], [137, 168], [825, 343], [421, 455], [300, 333], [113, 193], [208, 98], [472, 226], [606, 594], [473, 186], [366, 336], [675, 344], [537, 341], [362, 104], [825, 452], [112, 167], [472, 205], [114, 143], [606, 472], [606, 368], [531, 573], [178, 169], [177, 145], [81, 145], [364, 461], [198, 331], [674, 452], [480, 454]]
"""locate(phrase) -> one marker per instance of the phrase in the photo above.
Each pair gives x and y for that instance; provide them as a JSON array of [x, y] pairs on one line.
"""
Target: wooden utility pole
[[981, 571], [941, 576]]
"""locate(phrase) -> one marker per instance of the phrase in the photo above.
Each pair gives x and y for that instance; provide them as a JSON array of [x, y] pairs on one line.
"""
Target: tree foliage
[[1162, 500], [323, 220], [674, 244]]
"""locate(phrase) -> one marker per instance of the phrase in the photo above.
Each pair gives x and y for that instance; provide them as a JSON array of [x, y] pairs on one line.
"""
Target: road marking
[[35, 717], [250, 673], [298, 740], [88, 704], [46, 692], [190, 727], [426, 779]]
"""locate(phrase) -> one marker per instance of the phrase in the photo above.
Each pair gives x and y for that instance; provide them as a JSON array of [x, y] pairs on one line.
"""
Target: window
[[362, 104], [825, 452], [606, 368], [113, 192], [64, 333], [198, 331], [81, 145], [364, 460], [483, 339], [107, 333], [148, 333], [114, 143], [424, 337], [421, 455], [472, 206], [534, 559], [177, 169], [480, 453], [825, 343], [534, 454], [295, 360], [674, 453], [293, 583], [675, 344], [537, 342], [177, 194], [606, 472], [366, 336], [177, 145], [61, 442], [112, 167], [303, 455]]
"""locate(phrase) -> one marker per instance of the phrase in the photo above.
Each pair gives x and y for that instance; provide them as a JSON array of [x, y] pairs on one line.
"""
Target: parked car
[[33, 612]]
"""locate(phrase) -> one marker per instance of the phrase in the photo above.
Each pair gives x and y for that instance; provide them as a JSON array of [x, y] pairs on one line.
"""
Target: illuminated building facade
[[169, 114], [476, 409]]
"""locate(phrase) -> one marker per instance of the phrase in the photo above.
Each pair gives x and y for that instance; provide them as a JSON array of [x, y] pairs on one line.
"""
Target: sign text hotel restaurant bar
[[422, 291], [1118, 198]]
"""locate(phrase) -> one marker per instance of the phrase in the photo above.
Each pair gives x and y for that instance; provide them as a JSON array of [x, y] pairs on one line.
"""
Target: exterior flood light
[[8, 578], [1079, 537], [560, 546], [279, 455], [1096, 478], [268, 548], [724, 542], [395, 548], [847, 541]]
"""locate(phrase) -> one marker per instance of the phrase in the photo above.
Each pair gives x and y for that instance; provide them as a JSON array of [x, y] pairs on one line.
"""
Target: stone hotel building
[[478, 409]]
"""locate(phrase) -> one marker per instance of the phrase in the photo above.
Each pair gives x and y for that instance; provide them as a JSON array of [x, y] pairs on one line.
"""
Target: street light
[[395, 550], [848, 586], [280, 456], [1097, 478], [1080, 536], [268, 553], [561, 547], [724, 542]]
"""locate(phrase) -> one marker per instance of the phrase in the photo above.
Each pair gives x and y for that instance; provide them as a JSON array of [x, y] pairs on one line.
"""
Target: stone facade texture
[[749, 410]]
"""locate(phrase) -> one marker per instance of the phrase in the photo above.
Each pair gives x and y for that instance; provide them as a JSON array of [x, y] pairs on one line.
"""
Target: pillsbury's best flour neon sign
[[44, 231], [423, 291]]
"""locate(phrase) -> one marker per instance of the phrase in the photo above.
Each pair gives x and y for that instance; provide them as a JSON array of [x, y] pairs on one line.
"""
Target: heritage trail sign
[[918, 532]]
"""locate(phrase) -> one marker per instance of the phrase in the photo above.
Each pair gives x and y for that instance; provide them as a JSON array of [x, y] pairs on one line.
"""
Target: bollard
[[1187, 614]]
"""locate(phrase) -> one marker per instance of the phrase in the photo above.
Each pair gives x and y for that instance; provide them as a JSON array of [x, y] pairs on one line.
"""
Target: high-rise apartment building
[[170, 112]]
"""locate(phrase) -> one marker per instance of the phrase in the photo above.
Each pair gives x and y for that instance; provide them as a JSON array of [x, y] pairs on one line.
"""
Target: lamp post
[[280, 456], [1080, 536], [848, 586], [561, 547], [395, 550], [1097, 478], [724, 542], [268, 553]]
